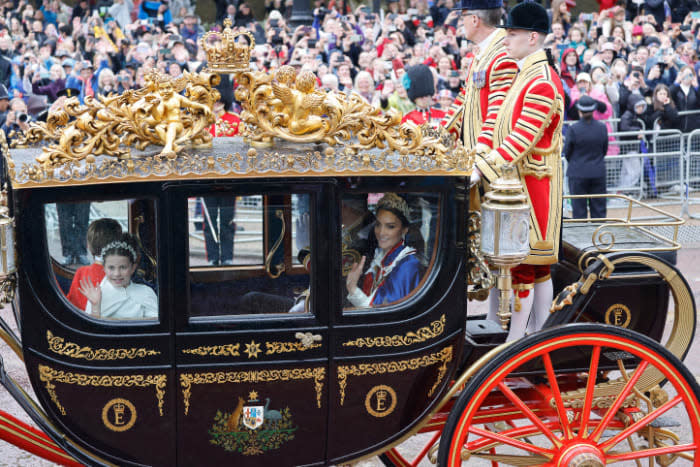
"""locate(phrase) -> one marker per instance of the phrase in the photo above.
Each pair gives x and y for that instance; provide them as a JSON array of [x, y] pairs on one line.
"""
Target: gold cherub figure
[[165, 114], [298, 105]]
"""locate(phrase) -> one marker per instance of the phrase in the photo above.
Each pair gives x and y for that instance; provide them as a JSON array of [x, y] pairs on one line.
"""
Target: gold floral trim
[[286, 347], [423, 334], [69, 349], [48, 376], [227, 350], [262, 376], [233, 350], [443, 357]]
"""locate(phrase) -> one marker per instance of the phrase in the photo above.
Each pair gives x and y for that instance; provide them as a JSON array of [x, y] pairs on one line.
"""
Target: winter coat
[[684, 102], [630, 120], [566, 75], [668, 117]]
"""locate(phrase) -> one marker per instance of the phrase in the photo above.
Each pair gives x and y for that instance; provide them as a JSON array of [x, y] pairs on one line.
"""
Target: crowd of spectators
[[644, 49]]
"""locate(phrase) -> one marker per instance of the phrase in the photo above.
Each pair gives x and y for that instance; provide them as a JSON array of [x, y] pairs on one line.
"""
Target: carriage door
[[252, 327]]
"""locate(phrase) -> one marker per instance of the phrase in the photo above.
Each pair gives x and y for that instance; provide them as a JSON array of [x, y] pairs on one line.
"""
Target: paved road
[[688, 263]]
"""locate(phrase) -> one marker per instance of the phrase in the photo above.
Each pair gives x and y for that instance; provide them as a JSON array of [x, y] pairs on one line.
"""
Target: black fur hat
[[529, 16], [418, 82]]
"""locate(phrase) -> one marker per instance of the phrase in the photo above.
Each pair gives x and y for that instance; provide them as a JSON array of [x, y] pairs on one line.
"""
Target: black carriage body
[[165, 391]]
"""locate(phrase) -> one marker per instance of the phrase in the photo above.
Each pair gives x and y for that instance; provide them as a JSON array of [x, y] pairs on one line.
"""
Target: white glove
[[475, 177]]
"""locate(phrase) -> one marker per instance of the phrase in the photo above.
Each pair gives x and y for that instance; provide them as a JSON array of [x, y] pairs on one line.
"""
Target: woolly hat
[[418, 81]]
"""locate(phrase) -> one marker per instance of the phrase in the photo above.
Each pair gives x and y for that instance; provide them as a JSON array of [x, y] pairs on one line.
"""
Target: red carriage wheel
[[577, 395]]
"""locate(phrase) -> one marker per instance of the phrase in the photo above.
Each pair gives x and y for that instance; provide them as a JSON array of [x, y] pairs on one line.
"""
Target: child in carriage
[[117, 296], [99, 233]]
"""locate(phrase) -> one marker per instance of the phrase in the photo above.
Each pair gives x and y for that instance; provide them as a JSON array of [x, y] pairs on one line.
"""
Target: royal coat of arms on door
[[252, 427]]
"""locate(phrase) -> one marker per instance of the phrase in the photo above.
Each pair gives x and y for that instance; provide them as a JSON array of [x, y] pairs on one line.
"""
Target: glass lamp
[[505, 233]]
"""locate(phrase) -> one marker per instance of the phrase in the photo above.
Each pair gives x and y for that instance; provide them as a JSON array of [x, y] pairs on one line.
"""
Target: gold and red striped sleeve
[[501, 78], [538, 106], [455, 114]]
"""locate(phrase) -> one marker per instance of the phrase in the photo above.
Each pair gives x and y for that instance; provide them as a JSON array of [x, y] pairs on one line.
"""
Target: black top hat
[[68, 92], [529, 16], [478, 5], [419, 81]]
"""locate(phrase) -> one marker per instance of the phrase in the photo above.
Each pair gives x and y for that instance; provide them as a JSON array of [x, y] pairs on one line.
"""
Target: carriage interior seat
[[245, 296]]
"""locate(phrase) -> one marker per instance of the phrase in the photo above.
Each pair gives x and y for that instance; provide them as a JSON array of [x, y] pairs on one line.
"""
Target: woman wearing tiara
[[395, 269]]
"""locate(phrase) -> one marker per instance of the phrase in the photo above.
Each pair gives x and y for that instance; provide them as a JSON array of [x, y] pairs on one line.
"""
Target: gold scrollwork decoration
[[443, 358], [227, 350], [278, 268], [286, 347], [156, 114], [571, 290], [435, 329], [187, 380], [479, 273], [69, 349], [8, 286], [251, 164], [49, 376]]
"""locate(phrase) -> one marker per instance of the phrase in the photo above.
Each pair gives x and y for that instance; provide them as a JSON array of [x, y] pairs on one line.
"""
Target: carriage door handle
[[307, 339], [278, 268]]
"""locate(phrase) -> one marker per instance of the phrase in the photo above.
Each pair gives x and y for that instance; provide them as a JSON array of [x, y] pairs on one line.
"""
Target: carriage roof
[[227, 158]]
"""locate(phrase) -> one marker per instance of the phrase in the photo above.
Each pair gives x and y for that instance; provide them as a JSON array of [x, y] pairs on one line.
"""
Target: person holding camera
[[17, 120], [56, 81]]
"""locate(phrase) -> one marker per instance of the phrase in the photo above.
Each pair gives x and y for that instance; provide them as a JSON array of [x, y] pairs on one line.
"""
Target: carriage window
[[388, 244], [103, 255], [249, 254]]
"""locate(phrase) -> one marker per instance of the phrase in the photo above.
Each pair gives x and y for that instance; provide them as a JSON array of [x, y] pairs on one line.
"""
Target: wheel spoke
[[619, 400], [529, 413], [650, 453], [554, 385], [511, 442], [590, 391], [647, 419]]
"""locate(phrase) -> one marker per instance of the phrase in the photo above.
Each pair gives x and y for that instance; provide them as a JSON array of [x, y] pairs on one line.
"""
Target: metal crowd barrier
[[647, 165]]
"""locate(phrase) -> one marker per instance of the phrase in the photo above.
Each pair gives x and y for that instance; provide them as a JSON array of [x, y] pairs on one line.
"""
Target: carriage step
[[484, 330]]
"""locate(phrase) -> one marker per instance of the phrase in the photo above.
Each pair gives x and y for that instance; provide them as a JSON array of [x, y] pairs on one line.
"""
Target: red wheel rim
[[583, 440]]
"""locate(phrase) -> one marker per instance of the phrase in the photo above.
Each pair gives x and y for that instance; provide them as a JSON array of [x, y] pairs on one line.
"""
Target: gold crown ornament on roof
[[226, 53]]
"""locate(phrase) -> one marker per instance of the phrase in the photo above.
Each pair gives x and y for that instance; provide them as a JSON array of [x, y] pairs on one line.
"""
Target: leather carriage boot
[[543, 292]]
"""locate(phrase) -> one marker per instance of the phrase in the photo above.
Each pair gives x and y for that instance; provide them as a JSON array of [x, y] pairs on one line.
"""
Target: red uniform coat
[[527, 132], [490, 76], [420, 117]]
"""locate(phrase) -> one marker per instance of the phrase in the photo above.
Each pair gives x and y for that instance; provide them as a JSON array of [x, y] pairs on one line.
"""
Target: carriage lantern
[[505, 228]]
